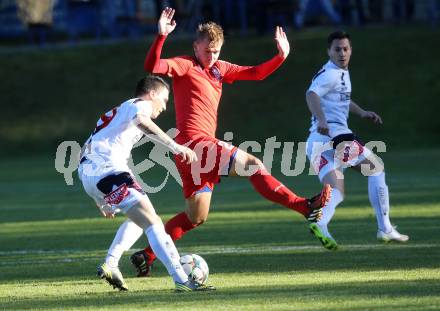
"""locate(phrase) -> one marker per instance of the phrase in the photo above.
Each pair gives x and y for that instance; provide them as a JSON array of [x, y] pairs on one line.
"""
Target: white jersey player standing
[[107, 179], [332, 146]]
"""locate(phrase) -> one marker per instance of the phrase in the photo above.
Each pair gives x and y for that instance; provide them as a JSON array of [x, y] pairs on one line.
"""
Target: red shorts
[[214, 160]]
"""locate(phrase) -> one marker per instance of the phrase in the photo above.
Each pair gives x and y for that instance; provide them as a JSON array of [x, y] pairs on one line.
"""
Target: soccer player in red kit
[[197, 86]]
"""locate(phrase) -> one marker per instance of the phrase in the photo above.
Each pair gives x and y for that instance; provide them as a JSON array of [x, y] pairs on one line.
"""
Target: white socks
[[127, 234], [379, 199], [161, 243], [164, 248], [329, 210]]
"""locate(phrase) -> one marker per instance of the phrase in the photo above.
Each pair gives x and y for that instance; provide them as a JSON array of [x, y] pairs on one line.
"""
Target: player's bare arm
[[283, 45], [149, 127], [356, 109], [314, 104], [166, 23]]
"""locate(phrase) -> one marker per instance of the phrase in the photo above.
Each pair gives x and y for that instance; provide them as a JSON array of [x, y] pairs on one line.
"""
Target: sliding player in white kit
[[107, 178], [332, 146]]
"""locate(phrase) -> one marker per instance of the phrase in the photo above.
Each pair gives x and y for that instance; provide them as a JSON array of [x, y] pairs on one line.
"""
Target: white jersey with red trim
[[332, 84], [110, 145]]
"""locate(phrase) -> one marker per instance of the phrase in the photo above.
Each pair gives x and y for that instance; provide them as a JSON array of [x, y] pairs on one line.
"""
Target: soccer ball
[[195, 267]]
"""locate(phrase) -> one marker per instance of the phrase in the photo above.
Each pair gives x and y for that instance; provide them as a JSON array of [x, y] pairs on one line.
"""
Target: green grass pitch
[[261, 256]]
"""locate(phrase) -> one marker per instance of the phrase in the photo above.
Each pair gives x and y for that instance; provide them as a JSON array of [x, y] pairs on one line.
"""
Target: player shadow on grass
[[369, 293], [252, 248], [248, 229], [51, 211]]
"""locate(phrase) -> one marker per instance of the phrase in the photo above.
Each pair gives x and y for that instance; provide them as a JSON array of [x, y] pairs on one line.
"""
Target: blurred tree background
[[65, 66], [48, 96]]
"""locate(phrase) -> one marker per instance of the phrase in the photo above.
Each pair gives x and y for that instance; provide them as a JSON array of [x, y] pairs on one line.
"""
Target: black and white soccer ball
[[195, 267]]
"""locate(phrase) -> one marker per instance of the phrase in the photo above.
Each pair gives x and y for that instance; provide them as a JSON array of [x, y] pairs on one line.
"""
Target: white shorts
[[112, 192], [324, 158]]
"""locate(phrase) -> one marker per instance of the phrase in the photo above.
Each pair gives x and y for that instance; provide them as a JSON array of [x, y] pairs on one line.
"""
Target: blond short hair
[[210, 30]]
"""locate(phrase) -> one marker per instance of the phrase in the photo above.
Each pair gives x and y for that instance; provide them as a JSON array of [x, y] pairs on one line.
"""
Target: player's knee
[[198, 219], [151, 215], [338, 195], [253, 161], [341, 191], [156, 219], [342, 198], [198, 209], [378, 169]]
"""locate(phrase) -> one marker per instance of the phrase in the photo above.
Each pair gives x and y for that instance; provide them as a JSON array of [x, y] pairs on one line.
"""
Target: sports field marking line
[[201, 251], [261, 249]]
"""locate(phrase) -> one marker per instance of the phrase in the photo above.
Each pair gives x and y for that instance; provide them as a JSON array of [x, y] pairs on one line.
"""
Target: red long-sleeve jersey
[[197, 90]]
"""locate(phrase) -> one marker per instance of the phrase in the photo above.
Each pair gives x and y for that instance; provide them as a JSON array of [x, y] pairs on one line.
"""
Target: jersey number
[[105, 119]]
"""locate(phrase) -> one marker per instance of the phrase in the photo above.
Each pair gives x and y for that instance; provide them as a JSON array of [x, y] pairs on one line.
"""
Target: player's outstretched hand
[[372, 116], [105, 213], [166, 22], [282, 42], [187, 154]]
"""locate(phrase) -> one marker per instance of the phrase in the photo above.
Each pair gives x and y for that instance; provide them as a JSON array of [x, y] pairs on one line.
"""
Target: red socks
[[273, 190], [176, 227], [264, 183]]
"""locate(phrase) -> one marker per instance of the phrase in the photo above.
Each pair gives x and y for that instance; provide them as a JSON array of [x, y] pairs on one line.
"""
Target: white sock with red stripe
[[127, 234]]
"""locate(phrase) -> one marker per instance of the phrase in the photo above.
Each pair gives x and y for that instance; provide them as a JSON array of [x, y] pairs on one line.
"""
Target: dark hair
[[149, 83], [337, 35]]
